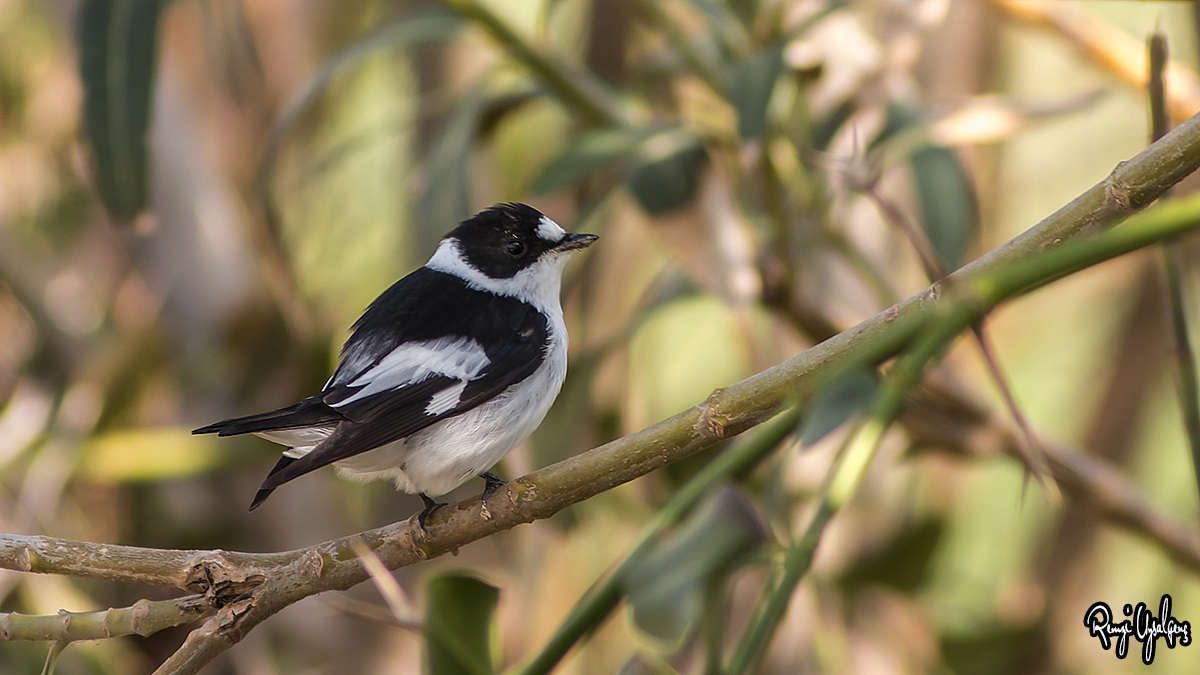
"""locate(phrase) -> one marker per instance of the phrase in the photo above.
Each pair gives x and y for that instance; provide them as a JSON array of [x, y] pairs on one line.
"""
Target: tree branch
[[196, 571], [144, 618]]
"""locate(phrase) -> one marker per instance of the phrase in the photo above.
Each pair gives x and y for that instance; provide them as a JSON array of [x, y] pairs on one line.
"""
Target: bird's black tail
[[310, 412], [263, 493]]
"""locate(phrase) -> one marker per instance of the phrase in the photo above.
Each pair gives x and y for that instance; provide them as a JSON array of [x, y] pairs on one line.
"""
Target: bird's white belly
[[441, 457]]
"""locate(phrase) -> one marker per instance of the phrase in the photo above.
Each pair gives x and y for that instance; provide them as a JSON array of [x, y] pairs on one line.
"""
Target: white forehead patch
[[550, 231]]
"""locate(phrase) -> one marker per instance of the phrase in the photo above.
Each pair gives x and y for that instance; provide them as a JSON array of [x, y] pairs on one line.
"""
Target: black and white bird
[[446, 371]]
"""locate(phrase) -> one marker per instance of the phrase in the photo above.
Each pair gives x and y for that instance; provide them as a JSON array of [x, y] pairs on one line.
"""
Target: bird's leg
[[430, 506], [492, 482]]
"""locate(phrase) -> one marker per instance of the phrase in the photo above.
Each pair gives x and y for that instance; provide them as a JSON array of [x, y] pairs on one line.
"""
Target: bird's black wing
[[434, 352], [420, 307]]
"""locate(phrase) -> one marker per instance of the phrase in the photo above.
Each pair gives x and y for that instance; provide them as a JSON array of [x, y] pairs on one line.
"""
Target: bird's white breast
[[441, 457]]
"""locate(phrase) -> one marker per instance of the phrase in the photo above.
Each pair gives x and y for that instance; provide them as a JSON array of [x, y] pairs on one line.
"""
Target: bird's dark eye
[[514, 248]]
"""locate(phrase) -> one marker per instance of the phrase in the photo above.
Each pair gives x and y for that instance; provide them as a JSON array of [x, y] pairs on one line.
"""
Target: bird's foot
[[492, 482], [431, 505]]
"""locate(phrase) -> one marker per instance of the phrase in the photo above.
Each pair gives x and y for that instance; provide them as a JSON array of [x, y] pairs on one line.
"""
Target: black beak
[[572, 242]]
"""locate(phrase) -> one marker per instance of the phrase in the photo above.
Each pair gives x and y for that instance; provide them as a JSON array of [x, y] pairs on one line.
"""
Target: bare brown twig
[[1174, 264], [944, 416], [1032, 455]]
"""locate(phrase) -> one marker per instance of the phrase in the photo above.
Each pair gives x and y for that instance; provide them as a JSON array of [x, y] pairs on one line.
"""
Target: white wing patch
[[458, 358], [550, 231], [300, 441], [446, 399]]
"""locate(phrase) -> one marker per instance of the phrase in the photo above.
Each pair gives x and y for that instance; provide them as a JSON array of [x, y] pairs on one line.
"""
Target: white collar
[[539, 284]]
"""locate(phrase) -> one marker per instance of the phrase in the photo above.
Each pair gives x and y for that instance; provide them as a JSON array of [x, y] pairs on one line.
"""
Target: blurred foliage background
[[733, 154]]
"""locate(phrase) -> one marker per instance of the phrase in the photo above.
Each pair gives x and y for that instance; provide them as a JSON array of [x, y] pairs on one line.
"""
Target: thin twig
[[385, 583], [946, 417], [1033, 455], [1173, 266], [370, 612], [931, 262]]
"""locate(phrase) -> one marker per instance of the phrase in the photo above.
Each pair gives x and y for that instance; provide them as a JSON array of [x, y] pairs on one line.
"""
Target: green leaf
[[902, 564], [667, 175], [588, 153], [117, 49], [446, 199], [949, 210], [341, 202], [843, 398], [524, 142], [995, 649], [410, 30], [752, 82], [666, 587], [458, 624]]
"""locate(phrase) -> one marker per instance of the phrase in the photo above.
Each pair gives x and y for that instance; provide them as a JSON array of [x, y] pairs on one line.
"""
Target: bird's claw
[[431, 505], [492, 481]]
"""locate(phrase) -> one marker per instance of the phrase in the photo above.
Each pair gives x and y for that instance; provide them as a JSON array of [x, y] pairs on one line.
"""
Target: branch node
[[220, 580], [231, 615], [141, 610], [711, 421], [1117, 192], [931, 294]]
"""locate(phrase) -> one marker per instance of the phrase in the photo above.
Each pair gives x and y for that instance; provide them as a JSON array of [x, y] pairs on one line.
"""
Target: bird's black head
[[507, 238]]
